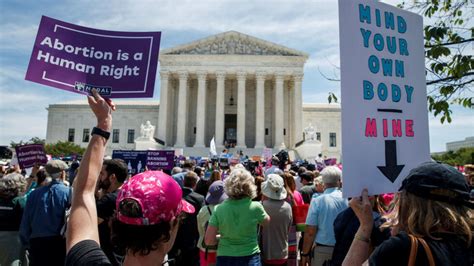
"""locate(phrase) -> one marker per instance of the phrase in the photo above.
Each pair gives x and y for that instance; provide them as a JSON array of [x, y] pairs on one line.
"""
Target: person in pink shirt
[[294, 197]]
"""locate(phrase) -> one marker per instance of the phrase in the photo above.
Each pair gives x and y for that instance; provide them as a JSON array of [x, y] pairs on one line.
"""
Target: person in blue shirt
[[43, 218], [322, 212], [187, 167]]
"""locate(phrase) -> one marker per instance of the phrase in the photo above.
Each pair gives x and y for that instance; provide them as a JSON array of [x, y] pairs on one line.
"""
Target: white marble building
[[237, 88], [456, 145]]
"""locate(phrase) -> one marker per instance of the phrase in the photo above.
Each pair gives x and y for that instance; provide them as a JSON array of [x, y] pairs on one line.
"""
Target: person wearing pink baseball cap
[[148, 206]]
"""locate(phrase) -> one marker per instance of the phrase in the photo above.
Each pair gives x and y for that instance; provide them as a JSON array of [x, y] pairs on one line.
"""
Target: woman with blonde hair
[[236, 220], [430, 221]]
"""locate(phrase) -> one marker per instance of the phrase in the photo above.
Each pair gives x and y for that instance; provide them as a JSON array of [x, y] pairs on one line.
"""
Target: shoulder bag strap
[[413, 250], [70, 196], [429, 255], [207, 248]]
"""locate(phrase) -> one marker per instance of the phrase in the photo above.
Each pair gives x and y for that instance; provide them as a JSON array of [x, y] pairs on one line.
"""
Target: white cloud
[[11, 73], [22, 126], [462, 126], [458, 121], [17, 93], [290, 22], [18, 37], [324, 61]]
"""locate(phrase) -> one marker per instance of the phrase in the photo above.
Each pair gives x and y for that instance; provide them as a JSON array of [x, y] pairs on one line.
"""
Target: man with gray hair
[[274, 169], [322, 212], [43, 218]]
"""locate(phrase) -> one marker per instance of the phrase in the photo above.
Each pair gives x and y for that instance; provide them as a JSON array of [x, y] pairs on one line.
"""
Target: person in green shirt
[[237, 220]]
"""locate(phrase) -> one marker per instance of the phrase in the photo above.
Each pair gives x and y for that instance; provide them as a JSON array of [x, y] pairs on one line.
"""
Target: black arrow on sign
[[391, 170]]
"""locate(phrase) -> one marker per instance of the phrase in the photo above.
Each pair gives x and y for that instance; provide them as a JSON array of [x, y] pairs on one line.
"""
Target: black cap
[[439, 182]]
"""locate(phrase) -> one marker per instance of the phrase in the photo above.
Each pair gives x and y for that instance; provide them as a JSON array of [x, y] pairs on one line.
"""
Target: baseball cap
[[439, 182], [55, 166], [216, 193], [159, 197]]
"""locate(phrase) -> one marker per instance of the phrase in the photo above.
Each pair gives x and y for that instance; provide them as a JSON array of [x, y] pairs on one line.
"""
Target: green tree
[[449, 38], [33, 140], [5, 152], [460, 157], [63, 149]]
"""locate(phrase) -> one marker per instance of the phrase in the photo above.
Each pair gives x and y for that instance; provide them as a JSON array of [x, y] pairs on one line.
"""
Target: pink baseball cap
[[387, 198], [159, 196]]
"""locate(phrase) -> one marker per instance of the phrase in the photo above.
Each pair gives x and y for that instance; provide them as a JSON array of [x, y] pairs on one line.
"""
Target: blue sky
[[310, 26]]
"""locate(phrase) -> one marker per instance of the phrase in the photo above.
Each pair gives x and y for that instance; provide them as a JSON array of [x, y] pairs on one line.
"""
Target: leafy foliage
[[5, 152], [34, 140], [448, 50], [65, 148], [460, 157]]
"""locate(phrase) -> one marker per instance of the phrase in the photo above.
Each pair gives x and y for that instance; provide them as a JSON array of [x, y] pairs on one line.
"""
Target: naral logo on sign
[[83, 87]]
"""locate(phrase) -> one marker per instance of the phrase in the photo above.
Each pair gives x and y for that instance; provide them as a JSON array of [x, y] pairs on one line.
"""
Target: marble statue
[[147, 130], [310, 133], [311, 146]]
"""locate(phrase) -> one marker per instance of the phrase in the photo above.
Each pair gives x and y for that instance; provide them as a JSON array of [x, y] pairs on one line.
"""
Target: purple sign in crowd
[[153, 160], [160, 160], [30, 154], [77, 59]]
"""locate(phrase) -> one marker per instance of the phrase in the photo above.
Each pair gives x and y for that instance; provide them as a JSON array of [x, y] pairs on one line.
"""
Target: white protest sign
[[267, 154], [383, 95], [178, 152]]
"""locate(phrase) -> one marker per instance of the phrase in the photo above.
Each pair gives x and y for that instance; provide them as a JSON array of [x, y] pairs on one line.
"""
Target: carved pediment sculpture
[[233, 43]]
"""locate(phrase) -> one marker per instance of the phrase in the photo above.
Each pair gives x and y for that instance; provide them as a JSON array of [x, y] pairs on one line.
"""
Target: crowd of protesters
[[212, 214]]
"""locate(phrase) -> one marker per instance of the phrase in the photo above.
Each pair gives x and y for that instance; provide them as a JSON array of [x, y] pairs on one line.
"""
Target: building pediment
[[232, 43]]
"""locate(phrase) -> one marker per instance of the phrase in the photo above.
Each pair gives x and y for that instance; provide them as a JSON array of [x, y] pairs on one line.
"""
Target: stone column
[[163, 111], [200, 109], [220, 93], [241, 110], [260, 111], [182, 110], [278, 132], [297, 109]]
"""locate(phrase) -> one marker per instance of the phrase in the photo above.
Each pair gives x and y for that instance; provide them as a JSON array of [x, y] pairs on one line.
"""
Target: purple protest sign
[[160, 160], [77, 59], [135, 160], [330, 161], [30, 154]]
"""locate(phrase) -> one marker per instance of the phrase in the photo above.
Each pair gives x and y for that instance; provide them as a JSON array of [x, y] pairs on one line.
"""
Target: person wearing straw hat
[[275, 235]]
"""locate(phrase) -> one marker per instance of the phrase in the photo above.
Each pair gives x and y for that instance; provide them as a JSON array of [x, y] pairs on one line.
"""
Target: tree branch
[[449, 43], [465, 83], [326, 77], [431, 82]]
